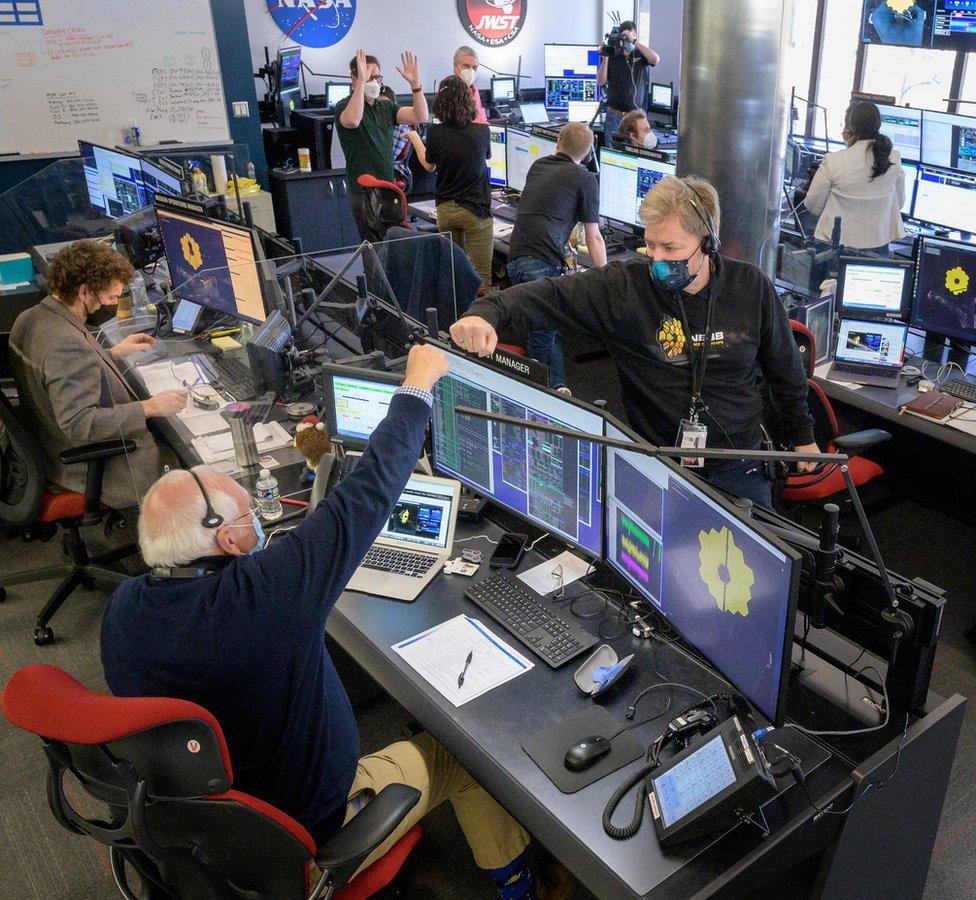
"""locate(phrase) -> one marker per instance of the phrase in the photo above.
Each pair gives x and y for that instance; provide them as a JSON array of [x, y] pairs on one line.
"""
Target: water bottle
[[250, 171], [268, 497]]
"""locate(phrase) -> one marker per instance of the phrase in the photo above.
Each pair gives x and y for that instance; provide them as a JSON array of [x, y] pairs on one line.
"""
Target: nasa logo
[[492, 23], [313, 23]]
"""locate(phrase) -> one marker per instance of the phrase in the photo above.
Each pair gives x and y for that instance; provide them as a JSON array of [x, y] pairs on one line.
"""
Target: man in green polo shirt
[[365, 120]]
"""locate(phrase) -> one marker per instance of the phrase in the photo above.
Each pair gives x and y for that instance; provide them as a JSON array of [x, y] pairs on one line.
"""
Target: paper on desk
[[438, 655], [213, 448], [500, 228], [542, 580], [170, 375]]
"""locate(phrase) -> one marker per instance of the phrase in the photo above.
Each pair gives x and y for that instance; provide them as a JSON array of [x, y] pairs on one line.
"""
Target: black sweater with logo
[[640, 325]]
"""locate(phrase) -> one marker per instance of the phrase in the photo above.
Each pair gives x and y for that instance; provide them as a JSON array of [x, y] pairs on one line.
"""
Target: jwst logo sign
[[493, 23], [313, 23]]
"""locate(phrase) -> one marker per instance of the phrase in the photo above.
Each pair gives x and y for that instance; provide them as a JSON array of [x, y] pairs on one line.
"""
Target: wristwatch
[[417, 89]]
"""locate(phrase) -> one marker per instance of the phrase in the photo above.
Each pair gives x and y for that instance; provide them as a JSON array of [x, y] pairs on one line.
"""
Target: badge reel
[[692, 435]]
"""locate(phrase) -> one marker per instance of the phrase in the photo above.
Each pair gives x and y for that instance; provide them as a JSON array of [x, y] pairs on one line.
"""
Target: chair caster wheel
[[43, 636]]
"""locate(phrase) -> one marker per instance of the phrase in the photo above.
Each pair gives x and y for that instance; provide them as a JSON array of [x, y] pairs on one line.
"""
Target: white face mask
[[650, 140], [372, 90], [467, 76]]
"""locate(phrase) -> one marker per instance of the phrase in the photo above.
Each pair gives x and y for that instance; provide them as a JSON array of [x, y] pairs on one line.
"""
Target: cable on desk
[[477, 537], [536, 541], [873, 728]]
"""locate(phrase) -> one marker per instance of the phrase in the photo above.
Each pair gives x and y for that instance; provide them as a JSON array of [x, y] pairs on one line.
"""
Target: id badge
[[693, 435]]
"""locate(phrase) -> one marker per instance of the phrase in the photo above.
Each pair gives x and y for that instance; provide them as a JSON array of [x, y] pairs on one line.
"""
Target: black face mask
[[673, 274]]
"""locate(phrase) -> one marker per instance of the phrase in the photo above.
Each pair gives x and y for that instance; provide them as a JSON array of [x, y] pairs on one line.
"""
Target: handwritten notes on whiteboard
[[91, 68]]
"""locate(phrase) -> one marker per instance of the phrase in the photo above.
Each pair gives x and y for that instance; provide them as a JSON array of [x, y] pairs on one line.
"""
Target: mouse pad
[[548, 748]]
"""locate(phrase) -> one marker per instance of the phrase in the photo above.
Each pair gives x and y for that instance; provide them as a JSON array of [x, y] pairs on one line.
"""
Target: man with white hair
[[466, 68], [240, 629], [689, 331]]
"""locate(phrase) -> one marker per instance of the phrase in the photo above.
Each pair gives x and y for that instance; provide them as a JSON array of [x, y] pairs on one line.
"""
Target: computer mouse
[[586, 752]]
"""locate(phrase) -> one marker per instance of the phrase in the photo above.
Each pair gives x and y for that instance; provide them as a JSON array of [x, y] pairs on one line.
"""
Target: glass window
[[913, 76], [798, 51], [842, 27], [968, 90]]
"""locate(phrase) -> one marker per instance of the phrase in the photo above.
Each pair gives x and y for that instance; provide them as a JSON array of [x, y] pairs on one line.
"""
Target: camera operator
[[623, 69]]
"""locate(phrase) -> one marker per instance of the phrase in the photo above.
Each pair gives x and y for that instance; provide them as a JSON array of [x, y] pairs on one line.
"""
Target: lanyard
[[698, 367]]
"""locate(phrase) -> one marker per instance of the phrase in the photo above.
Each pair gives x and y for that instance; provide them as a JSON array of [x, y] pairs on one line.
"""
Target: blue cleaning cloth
[[604, 675]]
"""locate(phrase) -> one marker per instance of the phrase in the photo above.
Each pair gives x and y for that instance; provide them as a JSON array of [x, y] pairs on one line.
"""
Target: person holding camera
[[623, 70]]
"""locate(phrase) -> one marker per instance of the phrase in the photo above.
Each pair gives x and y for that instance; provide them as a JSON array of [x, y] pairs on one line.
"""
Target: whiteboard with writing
[[88, 69]]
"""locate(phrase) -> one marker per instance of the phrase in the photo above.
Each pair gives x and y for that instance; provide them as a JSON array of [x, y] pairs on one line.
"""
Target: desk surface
[[486, 735]]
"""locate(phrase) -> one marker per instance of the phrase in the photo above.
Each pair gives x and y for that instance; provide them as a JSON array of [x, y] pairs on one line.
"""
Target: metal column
[[733, 116]]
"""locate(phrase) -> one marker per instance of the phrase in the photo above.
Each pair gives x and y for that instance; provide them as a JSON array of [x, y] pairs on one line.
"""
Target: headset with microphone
[[711, 244], [211, 519]]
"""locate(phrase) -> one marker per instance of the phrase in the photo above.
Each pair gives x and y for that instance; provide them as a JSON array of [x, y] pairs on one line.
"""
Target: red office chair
[[28, 505], [163, 768], [826, 480], [386, 204]]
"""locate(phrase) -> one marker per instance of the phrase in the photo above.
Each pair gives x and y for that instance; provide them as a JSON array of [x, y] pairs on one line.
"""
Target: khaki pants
[[494, 836], [471, 234]]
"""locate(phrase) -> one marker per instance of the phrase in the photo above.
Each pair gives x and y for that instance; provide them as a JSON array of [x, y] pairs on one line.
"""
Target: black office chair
[[29, 507]]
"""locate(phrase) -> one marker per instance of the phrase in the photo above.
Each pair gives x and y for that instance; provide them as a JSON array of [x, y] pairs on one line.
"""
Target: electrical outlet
[[240, 108]]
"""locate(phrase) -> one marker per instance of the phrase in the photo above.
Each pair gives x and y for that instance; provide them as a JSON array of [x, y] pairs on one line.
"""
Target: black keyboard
[[961, 390], [399, 562], [547, 631], [508, 213], [230, 375]]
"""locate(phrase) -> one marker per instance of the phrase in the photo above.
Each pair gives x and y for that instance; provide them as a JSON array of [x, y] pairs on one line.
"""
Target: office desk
[[486, 736]]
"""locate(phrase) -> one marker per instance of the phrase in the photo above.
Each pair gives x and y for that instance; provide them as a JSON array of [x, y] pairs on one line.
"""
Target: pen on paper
[[467, 663]]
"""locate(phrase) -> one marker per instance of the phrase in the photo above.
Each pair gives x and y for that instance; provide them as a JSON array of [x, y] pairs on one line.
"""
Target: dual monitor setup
[[120, 183], [726, 585], [625, 178], [878, 300]]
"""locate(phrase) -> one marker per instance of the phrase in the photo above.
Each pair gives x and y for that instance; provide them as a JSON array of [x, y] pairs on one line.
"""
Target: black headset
[[711, 243], [210, 519]]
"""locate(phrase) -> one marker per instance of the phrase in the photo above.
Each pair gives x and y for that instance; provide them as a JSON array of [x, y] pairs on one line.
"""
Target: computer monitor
[[289, 67], [932, 24], [625, 179], [156, 180], [496, 165], [213, 264], [904, 126], [948, 141], [336, 91], [113, 179], [946, 198], [521, 150], [582, 110], [571, 60], [875, 287], [355, 402], [945, 289], [661, 97], [728, 588], [560, 91], [502, 90], [911, 181], [553, 482], [534, 113], [288, 102]]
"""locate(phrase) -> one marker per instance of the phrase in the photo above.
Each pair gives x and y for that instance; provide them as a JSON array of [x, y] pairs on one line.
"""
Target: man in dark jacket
[[241, 632], [688, 333]]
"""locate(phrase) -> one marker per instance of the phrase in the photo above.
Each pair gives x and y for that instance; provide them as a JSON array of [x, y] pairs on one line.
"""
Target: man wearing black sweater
[[688, 330], [243, 636]]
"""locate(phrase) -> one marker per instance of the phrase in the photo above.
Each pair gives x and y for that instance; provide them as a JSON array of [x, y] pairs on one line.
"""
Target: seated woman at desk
[[458, 150], [863, 185], [73, 389]]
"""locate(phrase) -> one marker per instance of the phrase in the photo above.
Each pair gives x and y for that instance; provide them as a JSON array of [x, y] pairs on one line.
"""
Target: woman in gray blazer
[[71, 388]]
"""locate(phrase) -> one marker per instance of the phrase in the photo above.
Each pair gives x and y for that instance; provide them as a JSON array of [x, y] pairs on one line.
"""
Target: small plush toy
[[312, 441]]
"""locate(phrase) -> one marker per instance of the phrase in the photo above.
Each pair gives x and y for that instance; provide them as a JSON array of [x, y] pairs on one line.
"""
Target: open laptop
[[869, 352], [415, 542]]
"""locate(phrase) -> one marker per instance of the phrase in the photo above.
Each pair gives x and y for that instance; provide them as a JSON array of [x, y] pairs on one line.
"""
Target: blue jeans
[[742, 478], [545, 346], [611, 125]]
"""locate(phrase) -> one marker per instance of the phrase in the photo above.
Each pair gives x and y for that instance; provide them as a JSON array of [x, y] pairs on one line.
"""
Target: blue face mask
[[629, 46], [259, 531], [672, 274]]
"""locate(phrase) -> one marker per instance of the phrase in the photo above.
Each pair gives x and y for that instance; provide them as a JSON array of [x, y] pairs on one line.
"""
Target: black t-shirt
[[460, 154], [626, 81], [558, 194]]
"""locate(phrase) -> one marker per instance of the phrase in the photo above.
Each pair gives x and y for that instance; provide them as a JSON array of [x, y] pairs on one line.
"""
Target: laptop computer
[[869, 353], [415, 542]]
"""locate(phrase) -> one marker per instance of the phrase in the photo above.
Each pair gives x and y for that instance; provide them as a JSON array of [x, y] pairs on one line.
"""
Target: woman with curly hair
[[458, 150]]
